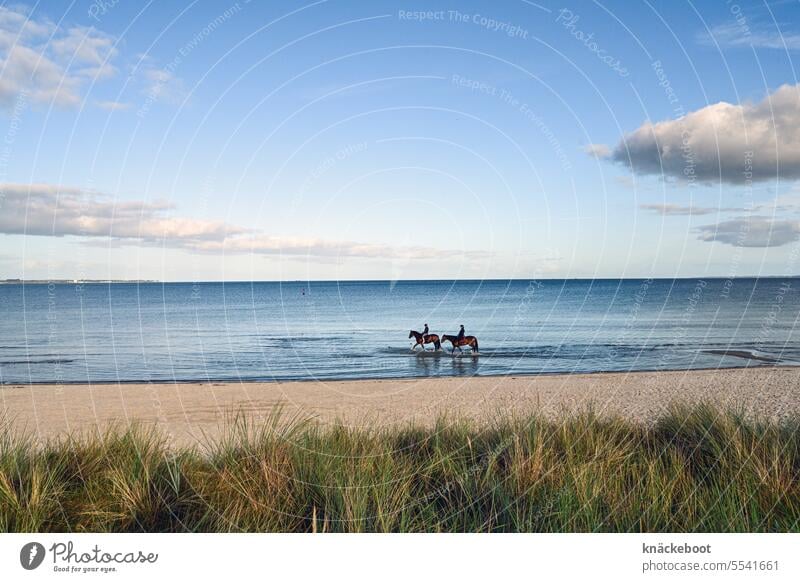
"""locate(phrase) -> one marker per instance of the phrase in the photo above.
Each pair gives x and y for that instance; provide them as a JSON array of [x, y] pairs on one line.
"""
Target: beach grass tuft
[[696, 469]]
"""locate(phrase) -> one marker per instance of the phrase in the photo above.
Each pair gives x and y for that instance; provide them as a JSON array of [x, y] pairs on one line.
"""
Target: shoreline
[[754, 362], [194, 411]]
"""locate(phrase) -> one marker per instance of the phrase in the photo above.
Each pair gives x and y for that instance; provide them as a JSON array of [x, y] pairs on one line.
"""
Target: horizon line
[[59, 281]]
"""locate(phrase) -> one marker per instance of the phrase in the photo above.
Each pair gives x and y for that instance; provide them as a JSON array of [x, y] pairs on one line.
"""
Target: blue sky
[[386, 140]]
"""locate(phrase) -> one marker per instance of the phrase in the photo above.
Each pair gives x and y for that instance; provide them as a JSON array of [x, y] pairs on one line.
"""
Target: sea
[[307, 330]]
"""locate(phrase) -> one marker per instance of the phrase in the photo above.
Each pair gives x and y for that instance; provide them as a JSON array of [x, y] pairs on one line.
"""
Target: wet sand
[[191, 412]]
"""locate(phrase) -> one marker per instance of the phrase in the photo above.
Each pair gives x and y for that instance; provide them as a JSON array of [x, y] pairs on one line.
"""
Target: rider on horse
[[462, 339], [425, 338]]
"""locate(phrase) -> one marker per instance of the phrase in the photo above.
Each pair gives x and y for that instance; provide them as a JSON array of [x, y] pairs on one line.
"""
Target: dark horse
[[431, 338], [469, 340]]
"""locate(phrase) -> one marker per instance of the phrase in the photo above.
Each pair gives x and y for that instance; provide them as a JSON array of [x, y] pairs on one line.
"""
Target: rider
[[425, 331], [461, 333]]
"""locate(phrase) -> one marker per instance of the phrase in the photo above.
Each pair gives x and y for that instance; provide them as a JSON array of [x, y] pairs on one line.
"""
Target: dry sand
[[188, 411]]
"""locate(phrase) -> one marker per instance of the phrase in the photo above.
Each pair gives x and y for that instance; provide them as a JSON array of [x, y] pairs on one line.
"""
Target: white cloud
[[752, 231], [112, 105], [159, 84], [16, 26], [679, 210], [598, 150], [721, 142], [43, 81], [42, 209], [164, 85], [87, 49], [47, 63], [265, 244], [49, 210], [743, 35]]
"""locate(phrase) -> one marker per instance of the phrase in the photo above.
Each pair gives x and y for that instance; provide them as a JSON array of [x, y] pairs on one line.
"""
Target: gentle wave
[[747, 355]]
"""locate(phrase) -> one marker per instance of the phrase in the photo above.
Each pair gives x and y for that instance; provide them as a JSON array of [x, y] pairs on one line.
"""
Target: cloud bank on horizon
[[752, 231]]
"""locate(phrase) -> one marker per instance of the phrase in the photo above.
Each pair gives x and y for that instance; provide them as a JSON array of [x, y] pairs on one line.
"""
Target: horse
[[469, 340], [430, 338]]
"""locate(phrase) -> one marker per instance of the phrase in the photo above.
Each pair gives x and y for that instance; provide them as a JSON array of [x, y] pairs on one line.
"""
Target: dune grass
[[696, 469]]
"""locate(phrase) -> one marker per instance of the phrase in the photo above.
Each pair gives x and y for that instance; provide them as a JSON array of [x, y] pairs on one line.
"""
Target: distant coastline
[[291, 281], [73, 281]]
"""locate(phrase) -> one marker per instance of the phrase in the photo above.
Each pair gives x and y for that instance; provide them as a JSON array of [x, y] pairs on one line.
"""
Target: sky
[[334, 140]]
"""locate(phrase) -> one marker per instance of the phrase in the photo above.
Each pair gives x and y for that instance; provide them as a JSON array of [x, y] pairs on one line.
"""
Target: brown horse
[[469, 340], [430, 338]]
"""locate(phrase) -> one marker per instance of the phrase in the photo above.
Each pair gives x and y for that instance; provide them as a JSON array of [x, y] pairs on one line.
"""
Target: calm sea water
[[279, 331]]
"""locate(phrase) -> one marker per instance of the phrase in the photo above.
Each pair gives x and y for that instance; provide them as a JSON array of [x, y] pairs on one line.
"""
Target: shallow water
[[305, 330]]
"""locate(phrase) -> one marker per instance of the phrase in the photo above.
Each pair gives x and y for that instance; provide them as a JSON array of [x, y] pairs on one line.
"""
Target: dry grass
[[696, 469]]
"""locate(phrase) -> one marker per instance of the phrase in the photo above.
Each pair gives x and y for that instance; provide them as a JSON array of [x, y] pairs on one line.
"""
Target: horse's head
[[410, 334]]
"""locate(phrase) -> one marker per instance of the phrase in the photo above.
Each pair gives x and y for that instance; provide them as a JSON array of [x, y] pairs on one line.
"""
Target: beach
[[190, 413]]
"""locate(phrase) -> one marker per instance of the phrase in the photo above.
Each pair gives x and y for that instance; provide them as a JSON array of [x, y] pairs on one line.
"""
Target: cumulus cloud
[[50, 210], [752, 231], [721, 142], [46, 63]]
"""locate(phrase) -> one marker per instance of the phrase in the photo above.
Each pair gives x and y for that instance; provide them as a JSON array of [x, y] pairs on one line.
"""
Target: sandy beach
[[192, 411]]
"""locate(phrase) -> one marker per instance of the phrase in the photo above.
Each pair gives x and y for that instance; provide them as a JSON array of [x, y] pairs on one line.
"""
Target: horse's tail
[[476, 345], [437, 344]]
